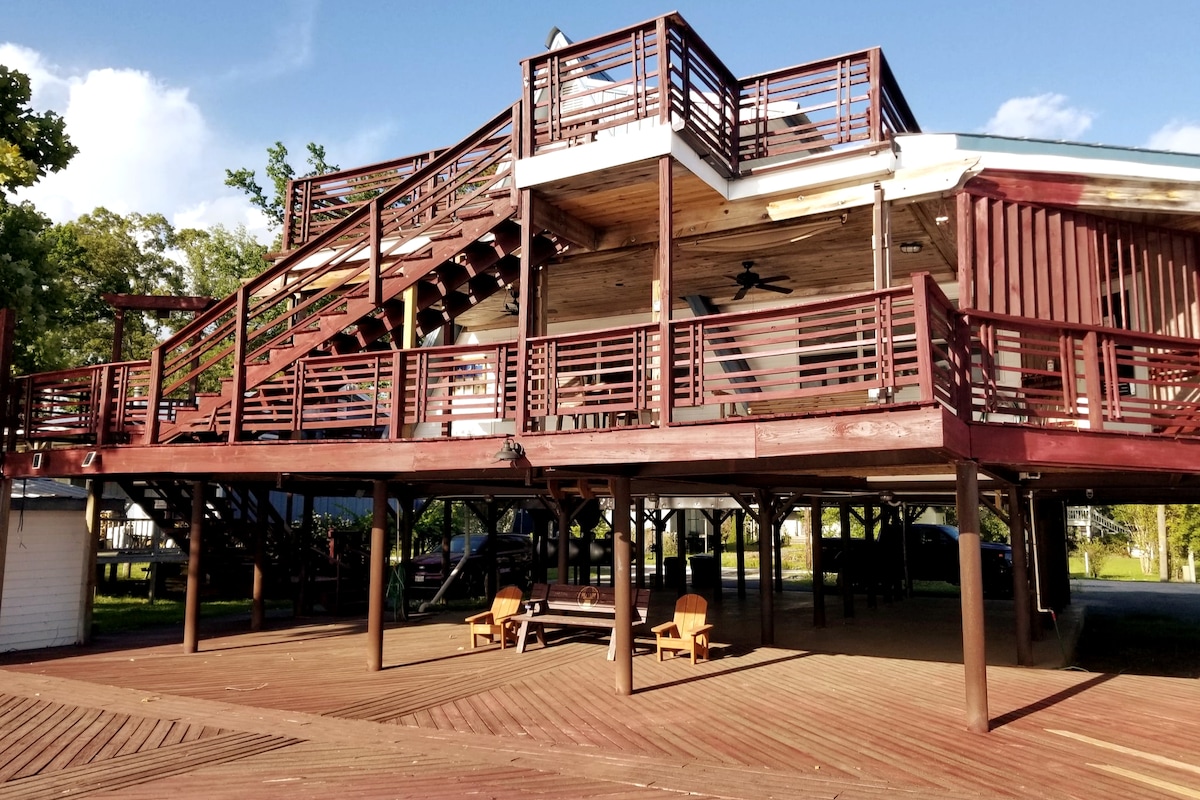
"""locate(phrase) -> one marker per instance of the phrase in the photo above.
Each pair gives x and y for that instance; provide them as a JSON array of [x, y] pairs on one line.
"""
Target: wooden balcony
[[905, 347]]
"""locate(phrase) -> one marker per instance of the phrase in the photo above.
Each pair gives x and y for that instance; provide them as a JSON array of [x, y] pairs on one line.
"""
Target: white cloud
[[291, 50], [1046, 116], [1182, 137], [143, 146]]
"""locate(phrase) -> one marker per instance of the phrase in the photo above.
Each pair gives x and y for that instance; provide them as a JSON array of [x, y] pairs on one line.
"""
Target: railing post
[[375, 290], [664, 70], [289, 209], [154, 395], [103, 417], [921, 311], [237, 397], [399, 394], [1092, 382], [525, 311], [875, 103]]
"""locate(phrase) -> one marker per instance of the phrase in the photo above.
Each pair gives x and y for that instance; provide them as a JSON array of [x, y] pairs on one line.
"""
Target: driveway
[[1139, 627]]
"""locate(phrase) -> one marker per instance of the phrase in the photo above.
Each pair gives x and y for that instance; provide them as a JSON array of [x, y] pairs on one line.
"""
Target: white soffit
[[935, 179]]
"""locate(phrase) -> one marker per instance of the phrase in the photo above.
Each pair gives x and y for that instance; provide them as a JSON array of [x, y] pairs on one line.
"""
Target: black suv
[[514, 560], [933, 556]]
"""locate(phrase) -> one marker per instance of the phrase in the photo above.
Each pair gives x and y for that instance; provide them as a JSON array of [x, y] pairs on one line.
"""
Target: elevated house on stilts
[[649, 277]]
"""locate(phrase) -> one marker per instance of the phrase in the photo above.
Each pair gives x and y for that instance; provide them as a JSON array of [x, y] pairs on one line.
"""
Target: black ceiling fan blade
[[737, 279], [780, 289], [773, 279], [741, 293]]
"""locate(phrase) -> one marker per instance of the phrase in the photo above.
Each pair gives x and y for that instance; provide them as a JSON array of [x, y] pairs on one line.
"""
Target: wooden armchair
[[497, 621], [687, 631]]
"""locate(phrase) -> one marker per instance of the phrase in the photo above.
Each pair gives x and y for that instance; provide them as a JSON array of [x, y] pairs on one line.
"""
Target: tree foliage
[[31, 145], [218, 260], [279, 172]]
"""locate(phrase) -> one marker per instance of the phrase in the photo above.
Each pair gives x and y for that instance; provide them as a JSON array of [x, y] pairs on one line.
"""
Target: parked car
[[932, 552], [514, 561]]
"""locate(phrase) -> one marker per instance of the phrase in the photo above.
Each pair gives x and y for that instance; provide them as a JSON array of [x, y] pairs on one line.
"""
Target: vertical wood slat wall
[[1064, 266]]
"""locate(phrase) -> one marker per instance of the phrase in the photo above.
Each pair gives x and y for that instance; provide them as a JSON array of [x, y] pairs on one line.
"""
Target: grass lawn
[[1121, 568], [120, 614]]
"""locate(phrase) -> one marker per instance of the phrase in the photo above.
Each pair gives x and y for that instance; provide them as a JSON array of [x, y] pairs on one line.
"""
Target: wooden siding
[[43, 580], [1052, 264]]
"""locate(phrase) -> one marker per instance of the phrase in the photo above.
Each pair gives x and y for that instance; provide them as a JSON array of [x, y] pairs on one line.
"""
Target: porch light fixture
[[89, 459], [910, 247], [510, 451]]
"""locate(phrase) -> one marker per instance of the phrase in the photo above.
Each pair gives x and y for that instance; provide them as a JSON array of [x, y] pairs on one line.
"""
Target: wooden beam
[[665, 286], [549, 217], [818, 566], [766, 574], [971, 583], [1021, 593], [6, 487]]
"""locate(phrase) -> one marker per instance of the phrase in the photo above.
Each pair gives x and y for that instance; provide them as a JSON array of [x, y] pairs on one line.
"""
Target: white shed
[[45, 576]]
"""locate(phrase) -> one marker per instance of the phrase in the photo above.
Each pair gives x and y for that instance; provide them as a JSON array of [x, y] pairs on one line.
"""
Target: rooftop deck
[[845, 712]]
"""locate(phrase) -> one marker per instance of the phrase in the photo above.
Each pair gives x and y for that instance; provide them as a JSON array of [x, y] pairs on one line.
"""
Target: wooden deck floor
[[292, 713]]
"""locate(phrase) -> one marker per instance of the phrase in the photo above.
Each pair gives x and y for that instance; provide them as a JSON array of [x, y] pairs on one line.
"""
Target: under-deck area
[[858, 710]]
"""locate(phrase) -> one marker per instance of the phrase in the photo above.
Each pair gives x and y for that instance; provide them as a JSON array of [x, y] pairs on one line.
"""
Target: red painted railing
[[661, 70], [1063, 375], [316, 203]]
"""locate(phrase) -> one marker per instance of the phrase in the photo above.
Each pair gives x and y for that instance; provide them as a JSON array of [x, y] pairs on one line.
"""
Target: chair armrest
[[482, 616], [664, 628], [703, 629]]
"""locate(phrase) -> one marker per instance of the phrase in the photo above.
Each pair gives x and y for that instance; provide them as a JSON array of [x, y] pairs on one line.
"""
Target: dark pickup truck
[[932, 555]]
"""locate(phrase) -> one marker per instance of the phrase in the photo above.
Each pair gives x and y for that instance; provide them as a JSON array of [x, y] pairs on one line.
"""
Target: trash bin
[[704, 571], [672, 572]]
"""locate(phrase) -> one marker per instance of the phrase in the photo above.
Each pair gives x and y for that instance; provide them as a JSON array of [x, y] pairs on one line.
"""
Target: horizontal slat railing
[[318, 202], [1061, 375], [597, 379], [101, 404], [849, 352]]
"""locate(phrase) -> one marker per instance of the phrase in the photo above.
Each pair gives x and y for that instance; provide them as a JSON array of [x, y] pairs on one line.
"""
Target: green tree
[[1142, 521], [31, 145], [218, 260], [101, 253], [279, 172]]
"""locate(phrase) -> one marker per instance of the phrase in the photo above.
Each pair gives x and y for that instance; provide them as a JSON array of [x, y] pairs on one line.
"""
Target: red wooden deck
[[293, 713]]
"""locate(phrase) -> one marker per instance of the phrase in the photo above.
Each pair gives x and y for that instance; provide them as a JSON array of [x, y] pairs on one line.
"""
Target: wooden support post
[[191, 610], [6, 486], [377, 588], [1164, 572], [564, 542], [622, 585], [739, 533], [971, 577], [777, 544], [666, 254], [870, 569], [681, 552], [526, 308], [766, 592], [491, 574], [447, 533], [818, 568], [257, 608], [847, 568], [95, 499], [639, 543], [237, 396], [881, 240], [1021, 604], [408, 331]]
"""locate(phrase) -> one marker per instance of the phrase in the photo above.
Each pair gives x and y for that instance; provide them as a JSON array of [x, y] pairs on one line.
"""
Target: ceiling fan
[[750, 280]]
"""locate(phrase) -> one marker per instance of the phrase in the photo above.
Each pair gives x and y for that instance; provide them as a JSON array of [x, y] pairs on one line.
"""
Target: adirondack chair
[[497, 621], [687, 631]]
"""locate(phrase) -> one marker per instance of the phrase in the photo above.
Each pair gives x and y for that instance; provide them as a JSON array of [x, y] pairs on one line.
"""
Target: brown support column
[[447, 533], [1016, 530], [666, 291], [971, 578], [777, 543], [118, 334], [564, 542], [639, 543], [6, 485], [818, 568], [739, 533], [375, 596], [766, 592], [526, 309], [191, 610], [870, 569], [847, 567], [94, 498], [257, 610], [408, 520], [623, 624]]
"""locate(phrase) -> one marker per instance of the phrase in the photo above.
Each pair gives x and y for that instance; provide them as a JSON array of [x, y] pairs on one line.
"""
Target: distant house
[[46, 569]]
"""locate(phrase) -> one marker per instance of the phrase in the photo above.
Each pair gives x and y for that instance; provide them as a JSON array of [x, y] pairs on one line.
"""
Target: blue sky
[[162, 97]]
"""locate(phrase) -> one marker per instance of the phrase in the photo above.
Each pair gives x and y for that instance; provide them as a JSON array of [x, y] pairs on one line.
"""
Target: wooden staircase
[[443, 239]]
